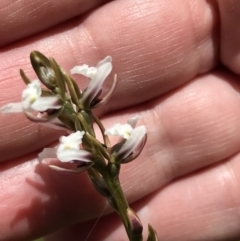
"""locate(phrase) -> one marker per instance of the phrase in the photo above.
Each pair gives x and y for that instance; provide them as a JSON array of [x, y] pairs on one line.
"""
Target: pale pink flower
[[69, 149], [132, 144]]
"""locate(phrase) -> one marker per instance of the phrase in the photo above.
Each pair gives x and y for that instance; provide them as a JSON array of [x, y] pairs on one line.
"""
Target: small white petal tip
[[12, 108]]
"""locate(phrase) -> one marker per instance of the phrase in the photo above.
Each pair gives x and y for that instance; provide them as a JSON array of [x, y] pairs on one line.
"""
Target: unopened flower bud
[[134, 222], [42, 66]]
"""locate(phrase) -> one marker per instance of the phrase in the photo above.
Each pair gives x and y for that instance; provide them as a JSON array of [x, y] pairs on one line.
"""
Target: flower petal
[[71, 171], [32, 92], [104, 61], [120, 130], [74, 137], [103, 70], [45, 103], [33, 88], [73, 154], [47, 153], [108, 95], [136, 151], [133, 120], [130, 144], [84, 70], [12, 108]]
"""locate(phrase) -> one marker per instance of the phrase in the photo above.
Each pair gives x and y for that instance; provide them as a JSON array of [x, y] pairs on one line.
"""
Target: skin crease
[[177, 66]]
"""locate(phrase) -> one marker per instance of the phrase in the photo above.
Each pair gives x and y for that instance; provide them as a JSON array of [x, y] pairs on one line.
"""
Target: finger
[[187, 130], [33, 199], [179, 49], [203, 206], [230, 35], [20, 19]]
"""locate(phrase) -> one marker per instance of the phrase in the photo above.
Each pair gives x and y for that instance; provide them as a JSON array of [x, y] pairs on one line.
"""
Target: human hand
[[169, 60]]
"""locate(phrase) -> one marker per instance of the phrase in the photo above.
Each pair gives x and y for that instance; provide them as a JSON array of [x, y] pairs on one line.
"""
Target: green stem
[[119, 200]]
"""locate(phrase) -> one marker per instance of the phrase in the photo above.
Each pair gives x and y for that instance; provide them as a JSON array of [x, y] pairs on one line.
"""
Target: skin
[[177, 66]]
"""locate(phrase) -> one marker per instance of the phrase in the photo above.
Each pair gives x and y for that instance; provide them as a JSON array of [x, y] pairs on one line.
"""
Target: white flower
[[32, 100], [98, 75], [132, 144], [68, 149]]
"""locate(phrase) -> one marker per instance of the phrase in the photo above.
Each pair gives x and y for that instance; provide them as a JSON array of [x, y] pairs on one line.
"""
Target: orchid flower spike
[[133, 141], [32, 100], [98, 74]]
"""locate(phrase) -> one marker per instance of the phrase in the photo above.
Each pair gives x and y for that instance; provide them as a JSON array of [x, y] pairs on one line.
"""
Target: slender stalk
[[120, 203], [102, 129]]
